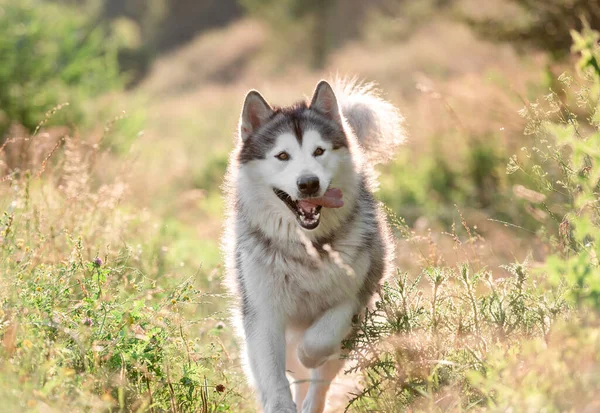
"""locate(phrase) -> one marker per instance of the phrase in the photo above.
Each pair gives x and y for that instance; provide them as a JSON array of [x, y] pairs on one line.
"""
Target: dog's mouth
[[308, 210], [308, 216]]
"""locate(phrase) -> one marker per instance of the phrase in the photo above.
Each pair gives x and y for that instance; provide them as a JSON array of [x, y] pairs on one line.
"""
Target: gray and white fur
[[298, 286]]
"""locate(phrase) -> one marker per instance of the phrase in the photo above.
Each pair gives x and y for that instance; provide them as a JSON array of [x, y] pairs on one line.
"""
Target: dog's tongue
[[332, 198]]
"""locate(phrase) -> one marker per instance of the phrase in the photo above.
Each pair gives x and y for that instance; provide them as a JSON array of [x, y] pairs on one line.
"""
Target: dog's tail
[[377, 124]]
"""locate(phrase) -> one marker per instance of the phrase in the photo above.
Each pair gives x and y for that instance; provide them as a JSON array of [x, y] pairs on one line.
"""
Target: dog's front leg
[[325, 335], [265, 342]]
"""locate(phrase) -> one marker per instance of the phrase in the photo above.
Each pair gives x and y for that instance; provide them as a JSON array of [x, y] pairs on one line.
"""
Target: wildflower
[[87, 322], [98, 262], [220, 388]]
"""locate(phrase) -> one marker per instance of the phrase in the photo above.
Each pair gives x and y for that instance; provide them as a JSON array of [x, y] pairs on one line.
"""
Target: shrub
[[566, 144], [544, 24], [415, 348], [50, 54]]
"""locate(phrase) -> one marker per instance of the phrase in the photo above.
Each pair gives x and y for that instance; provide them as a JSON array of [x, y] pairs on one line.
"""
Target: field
[[111, 276]]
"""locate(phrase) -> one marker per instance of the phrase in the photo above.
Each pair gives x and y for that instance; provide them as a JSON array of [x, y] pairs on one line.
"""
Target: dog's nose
[[308, 184]]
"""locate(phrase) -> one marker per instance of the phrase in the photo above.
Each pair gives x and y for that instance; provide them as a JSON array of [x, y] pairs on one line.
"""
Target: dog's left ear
[[324, 101]]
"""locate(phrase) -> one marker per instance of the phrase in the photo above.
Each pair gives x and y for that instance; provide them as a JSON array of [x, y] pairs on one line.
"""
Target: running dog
[[306, 243]]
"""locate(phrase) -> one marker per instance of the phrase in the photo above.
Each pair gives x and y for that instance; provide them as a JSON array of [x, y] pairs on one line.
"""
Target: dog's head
[[293, 158]]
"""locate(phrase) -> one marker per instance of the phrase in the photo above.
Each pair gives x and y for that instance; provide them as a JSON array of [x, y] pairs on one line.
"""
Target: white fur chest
[[299, 282]]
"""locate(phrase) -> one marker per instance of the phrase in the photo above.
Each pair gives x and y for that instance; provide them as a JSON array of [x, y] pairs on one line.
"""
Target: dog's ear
[[324, 101], [255, 113]]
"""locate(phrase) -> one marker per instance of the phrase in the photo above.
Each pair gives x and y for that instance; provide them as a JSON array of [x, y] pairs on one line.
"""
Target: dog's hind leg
[[299, 374], [320, 381]]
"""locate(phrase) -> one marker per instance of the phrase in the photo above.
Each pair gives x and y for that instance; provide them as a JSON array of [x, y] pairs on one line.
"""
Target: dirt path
[[341, 391]]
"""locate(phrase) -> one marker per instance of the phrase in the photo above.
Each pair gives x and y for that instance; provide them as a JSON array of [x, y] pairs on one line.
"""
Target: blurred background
[[148, 92], [178, 70]]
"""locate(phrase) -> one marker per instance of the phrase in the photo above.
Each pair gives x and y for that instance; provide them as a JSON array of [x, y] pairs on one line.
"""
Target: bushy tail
[[377, 124]]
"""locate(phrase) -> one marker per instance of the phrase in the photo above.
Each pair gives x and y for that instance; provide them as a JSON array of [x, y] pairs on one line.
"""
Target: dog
[[306, 243]]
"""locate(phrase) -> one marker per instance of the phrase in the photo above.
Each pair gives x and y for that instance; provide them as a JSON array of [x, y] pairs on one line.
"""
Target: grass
[[111, 296], [100, 310]]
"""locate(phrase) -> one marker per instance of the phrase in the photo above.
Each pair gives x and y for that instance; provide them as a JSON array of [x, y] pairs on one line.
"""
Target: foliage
[[544, 24], [566, 144], [93, 317], [433, 185], [50, 54], [527, 341], [417, 345]]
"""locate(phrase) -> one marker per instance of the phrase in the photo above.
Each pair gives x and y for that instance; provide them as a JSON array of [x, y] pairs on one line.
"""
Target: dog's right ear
[[255, 113], [324, 101]]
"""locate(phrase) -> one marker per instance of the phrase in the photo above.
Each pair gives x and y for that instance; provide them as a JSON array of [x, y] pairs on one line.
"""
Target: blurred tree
[[50, 54], [161, 25], [316, 19], [543, 24], [165, 24], [183, 19]]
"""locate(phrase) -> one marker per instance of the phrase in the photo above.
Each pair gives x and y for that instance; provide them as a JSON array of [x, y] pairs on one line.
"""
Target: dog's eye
[[318, 152], [283, 156]]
